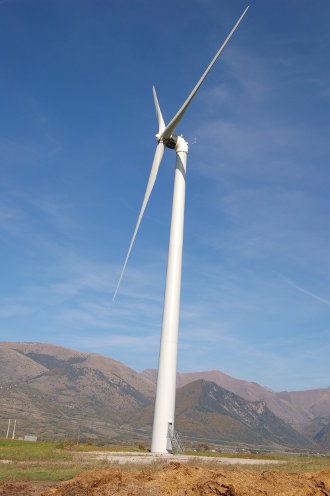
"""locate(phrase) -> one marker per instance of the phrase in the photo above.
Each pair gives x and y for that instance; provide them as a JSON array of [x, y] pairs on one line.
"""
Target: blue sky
[[77, 140]]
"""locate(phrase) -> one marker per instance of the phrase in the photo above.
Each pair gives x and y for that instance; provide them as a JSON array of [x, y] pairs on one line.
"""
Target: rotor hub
[[171, 142]]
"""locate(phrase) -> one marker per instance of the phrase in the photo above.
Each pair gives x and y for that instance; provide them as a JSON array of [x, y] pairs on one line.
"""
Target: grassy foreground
[[43, 461], [21, 460], [19, 451]]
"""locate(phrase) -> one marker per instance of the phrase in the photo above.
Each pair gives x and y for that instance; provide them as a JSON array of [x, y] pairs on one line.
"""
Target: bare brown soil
[[176, 479], [30, 488]]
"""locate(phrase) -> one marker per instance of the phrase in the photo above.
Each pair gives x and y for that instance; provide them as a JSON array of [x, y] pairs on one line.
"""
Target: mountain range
[[301, 409], [56, 392]]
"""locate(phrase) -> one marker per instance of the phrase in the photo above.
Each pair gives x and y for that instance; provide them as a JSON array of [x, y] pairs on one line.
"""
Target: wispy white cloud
[[251, 149], [58, 212], [25, 153], [142, 342], [251, 72], [10, 308], [216, 96], [307, 292], [10, 217]]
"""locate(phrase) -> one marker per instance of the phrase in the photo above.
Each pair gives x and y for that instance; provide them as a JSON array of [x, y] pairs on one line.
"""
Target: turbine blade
[[177, 118], [161, 123], [152, 178]]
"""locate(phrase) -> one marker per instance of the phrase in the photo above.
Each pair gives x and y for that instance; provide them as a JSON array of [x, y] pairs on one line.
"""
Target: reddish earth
[[23, 488], [176, 479]]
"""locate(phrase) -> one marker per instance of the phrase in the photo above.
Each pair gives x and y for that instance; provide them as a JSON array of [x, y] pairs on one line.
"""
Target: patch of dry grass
[[297, 466]]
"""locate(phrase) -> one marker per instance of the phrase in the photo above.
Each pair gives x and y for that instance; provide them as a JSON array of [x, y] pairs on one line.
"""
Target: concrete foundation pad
[[123, 457]]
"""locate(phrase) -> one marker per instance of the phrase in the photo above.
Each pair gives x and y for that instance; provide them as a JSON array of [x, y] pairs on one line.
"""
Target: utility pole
[[8, 428], [13, 436], [78, 436]]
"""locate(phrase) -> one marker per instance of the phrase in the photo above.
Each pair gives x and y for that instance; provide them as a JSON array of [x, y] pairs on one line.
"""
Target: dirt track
[[175, 479]]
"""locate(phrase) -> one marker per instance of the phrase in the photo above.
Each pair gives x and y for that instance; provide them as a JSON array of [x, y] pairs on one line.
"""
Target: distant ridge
[[298, 408], [54, 391], [207, 411], [323, 437]]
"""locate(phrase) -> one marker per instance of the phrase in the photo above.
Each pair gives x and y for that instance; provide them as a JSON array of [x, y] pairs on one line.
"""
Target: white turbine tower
[[163, 427]]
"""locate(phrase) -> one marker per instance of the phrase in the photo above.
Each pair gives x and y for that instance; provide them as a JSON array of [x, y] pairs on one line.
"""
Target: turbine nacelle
[[170, 142]]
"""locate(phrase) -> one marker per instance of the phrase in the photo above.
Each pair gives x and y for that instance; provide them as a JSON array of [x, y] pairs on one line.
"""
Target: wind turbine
[[163, 426]]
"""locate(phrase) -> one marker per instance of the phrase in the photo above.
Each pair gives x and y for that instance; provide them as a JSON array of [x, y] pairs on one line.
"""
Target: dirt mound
[[179, 480], [31, 488]]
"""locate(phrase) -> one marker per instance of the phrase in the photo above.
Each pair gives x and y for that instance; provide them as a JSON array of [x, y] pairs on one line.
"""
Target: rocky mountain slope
[[26, 362], [206, 403], [322, 438], [207, 411], [53, 391], [298, 408]]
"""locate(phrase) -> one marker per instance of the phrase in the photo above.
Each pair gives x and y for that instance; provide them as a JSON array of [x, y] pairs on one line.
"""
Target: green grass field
[[46, 461], [22, 451], [35, 461]]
